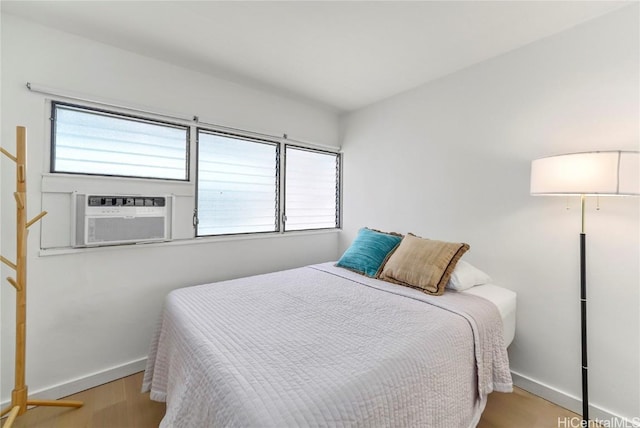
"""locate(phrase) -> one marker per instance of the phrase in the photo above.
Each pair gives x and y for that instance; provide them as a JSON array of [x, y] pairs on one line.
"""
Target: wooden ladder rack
[[19, 395]]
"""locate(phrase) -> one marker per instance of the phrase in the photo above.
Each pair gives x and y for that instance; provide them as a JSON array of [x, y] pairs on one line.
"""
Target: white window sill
[[46, 252]]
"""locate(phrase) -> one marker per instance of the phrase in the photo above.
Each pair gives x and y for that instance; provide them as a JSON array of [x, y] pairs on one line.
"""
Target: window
[[238, 181], [239, 186], [91, 141], [311, 189], [245, 183]]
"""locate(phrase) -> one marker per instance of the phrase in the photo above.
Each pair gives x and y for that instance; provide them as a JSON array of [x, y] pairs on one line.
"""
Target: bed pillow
[[368, 251], [424, 264], [465, 276]]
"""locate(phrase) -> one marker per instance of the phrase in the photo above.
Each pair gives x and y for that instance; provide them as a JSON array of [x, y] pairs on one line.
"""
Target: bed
[[324, 346]]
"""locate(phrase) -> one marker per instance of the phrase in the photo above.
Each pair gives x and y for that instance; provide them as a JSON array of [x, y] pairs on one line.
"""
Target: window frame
[[278, 184], [338, 214], [119, 115]]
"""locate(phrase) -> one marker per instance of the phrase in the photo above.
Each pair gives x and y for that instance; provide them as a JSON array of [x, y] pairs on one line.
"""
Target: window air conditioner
[[120, 219]]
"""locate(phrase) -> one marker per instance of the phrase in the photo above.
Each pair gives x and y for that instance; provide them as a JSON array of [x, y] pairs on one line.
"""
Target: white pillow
[[465, 276]]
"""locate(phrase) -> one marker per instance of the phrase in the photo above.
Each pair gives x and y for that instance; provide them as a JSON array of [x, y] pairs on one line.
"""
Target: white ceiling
[[341, 54]]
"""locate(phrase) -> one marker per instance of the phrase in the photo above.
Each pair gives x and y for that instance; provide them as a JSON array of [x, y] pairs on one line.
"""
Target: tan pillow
[[424, 264]]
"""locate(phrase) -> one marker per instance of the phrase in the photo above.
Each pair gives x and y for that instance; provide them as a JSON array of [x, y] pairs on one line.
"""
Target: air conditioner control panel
[[125, 206], [125, 201]]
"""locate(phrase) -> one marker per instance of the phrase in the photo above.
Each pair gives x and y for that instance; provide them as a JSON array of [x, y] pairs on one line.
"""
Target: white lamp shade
[[591, 173]]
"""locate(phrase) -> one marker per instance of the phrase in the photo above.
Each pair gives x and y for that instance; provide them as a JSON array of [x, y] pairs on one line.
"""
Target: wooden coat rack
[[19, 395]]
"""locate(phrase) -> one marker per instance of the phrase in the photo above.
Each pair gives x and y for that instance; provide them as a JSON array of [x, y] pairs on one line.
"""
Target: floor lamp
[[607, 173]]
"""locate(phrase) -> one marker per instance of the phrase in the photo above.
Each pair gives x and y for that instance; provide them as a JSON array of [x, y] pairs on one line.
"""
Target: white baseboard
[[573, 403], [90, 381]]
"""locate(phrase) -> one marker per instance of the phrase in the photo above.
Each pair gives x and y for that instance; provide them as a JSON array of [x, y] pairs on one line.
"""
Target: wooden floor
[[120, 404], [520, 409], [117, 404]]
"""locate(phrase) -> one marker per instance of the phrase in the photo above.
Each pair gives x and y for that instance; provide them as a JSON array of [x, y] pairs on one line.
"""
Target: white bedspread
[[323, 346]]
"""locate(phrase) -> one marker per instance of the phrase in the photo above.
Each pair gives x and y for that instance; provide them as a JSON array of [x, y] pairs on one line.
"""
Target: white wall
[[91, 311], [451, 160]]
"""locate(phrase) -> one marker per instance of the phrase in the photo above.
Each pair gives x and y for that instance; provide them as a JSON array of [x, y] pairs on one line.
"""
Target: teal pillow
[[368, 252]]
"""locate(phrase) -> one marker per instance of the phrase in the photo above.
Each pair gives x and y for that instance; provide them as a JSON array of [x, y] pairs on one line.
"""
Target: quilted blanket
[[323, 346]]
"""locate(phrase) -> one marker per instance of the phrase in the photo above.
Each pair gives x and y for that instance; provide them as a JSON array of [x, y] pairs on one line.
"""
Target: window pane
[[90, 142], [311, 189], [237, 185]]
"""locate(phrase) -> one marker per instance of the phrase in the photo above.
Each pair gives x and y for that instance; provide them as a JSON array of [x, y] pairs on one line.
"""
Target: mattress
[[505, 301], [323, 346]]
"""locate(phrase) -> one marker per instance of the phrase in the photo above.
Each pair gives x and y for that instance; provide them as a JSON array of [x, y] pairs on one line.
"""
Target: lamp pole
[[583, 318]]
